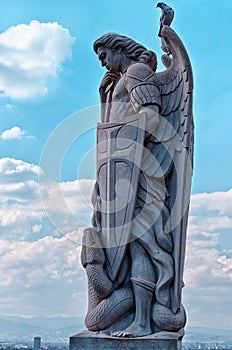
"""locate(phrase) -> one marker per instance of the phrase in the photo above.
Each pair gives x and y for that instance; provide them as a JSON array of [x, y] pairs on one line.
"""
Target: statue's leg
[[143, 280], [162, 262]]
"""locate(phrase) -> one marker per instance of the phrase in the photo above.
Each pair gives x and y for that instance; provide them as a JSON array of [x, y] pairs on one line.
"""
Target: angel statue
[[134, 252]]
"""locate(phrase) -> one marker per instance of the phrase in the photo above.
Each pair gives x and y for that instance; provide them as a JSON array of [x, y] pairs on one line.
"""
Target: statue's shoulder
[[141, 84], [139, 71]]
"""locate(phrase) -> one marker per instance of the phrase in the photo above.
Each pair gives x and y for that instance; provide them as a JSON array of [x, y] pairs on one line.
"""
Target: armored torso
[[136, 88]]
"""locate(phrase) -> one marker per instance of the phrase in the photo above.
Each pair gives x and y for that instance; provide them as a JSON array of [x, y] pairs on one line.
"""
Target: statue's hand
[[108, 79]]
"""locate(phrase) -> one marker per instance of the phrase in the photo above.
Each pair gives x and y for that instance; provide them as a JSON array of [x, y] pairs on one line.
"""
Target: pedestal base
[[93, 341]]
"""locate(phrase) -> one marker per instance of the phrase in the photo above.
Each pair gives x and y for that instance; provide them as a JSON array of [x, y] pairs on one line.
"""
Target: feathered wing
[[176, 134], [176, 87]]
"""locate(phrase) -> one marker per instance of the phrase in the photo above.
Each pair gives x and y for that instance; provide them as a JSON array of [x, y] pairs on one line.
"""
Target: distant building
[[37, 343]]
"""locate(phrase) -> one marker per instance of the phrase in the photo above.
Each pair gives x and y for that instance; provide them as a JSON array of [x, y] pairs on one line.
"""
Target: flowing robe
[[135, 91]]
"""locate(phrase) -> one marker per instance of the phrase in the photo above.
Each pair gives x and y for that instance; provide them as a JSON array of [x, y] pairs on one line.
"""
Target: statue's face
[[109, 59]]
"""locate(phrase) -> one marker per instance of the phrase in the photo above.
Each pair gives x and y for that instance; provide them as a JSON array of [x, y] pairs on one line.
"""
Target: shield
[[119, 156]]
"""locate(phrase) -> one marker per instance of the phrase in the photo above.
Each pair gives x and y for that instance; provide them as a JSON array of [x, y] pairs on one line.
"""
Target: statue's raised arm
[[134, 252]]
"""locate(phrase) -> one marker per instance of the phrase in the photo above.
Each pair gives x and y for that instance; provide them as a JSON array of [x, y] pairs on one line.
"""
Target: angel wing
[[176, 87], [175, 132]]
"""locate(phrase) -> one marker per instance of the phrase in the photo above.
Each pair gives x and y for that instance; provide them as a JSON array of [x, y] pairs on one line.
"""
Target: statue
[[134, 252]]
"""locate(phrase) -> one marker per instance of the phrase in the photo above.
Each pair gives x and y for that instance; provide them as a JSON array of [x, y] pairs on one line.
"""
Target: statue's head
[[111, 47]]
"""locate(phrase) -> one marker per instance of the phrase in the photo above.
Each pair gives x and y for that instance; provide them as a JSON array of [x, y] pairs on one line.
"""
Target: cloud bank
[[41, 278], [22, 214], [208, 270], [29, 55], [40, 270], [37, 261]]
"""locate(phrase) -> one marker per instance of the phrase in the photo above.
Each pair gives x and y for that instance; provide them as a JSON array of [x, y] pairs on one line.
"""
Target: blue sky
[[49, 72]]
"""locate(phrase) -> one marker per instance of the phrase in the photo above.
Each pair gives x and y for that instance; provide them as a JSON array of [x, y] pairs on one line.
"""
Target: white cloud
[[30, 53], [42, 278], [22, 214], [208, 269], [68, 204], [15, 171], [221, 202], [36, 228], [14, 133], [36, 260]]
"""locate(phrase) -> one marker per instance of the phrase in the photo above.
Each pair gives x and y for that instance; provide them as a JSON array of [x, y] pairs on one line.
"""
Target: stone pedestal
[[92, 341]]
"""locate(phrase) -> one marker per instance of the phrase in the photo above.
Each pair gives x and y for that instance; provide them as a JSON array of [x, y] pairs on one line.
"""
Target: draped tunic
[[137, 89]]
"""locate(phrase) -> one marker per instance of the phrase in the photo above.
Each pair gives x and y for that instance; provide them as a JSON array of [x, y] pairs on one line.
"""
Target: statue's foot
[[133, 331]]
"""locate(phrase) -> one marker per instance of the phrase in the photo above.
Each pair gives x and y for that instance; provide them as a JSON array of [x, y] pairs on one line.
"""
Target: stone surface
[[90, 341], [166, 16], [134, 252]]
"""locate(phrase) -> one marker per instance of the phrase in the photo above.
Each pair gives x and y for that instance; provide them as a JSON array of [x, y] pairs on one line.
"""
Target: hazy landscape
[[59, 329]]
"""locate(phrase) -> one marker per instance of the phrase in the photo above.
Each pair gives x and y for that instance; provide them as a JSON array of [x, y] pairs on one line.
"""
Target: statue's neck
[[125, 63]]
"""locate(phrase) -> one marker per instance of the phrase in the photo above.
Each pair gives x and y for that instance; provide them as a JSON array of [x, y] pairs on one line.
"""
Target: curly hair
[[130, 47]]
